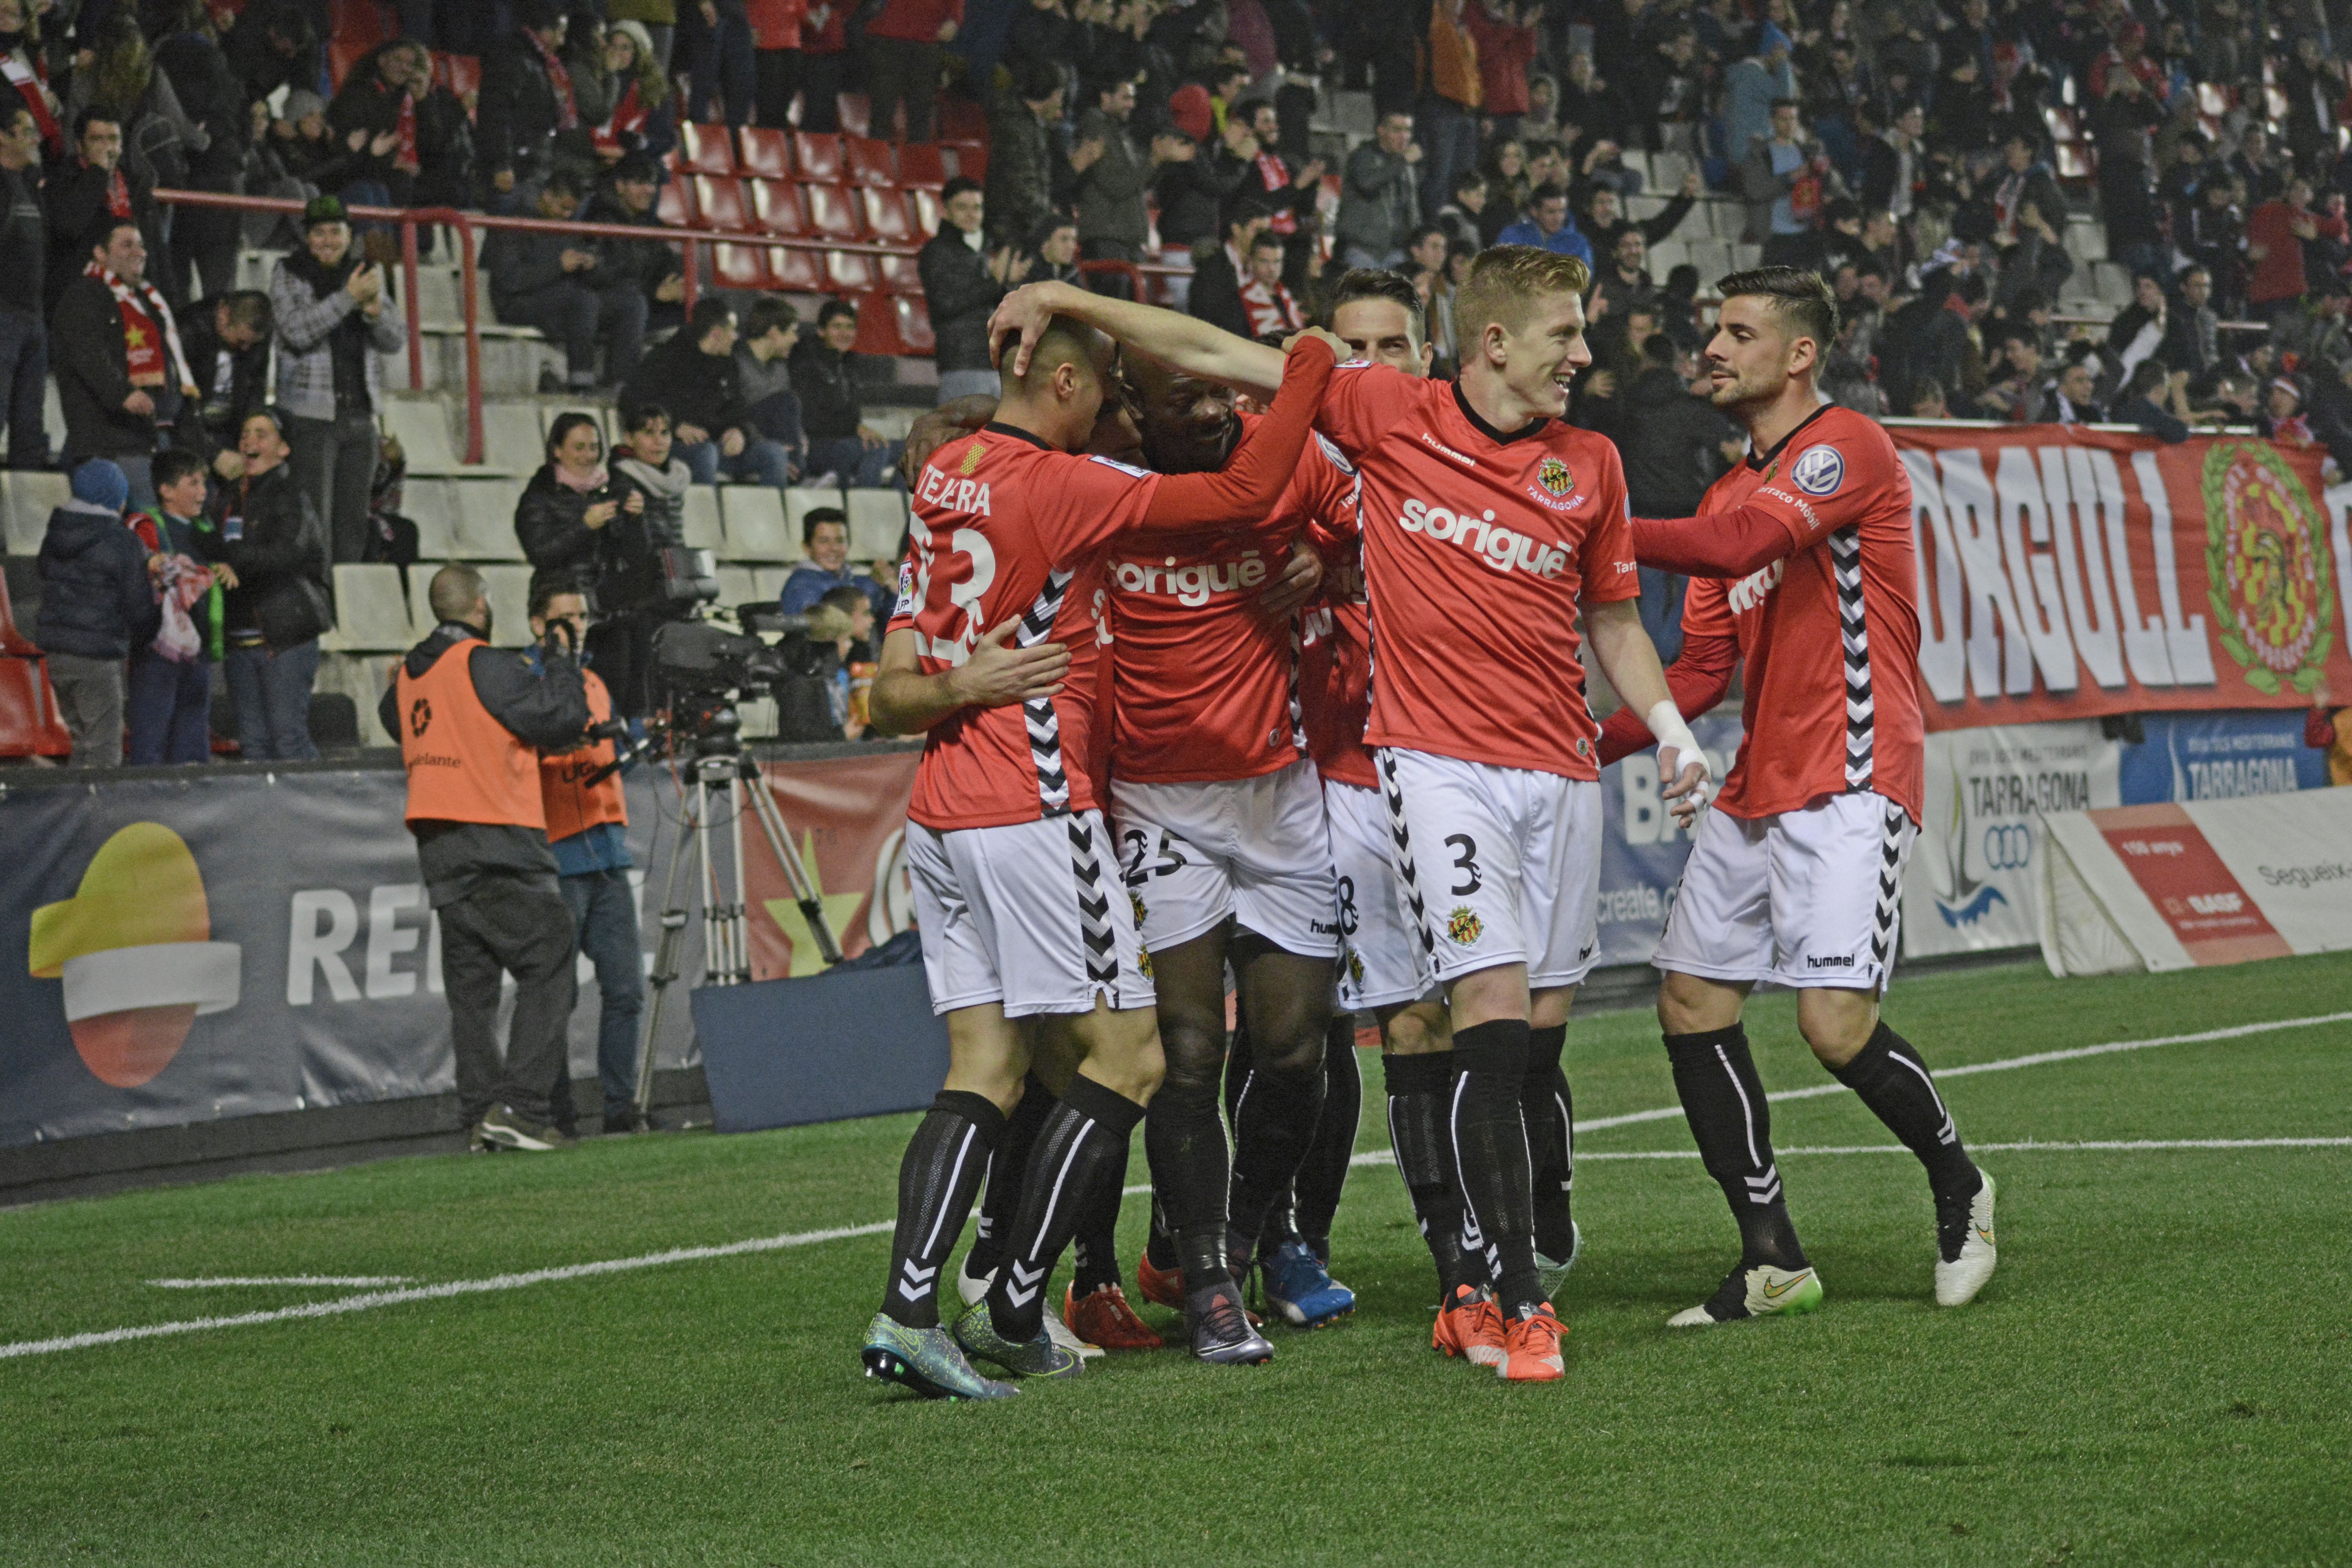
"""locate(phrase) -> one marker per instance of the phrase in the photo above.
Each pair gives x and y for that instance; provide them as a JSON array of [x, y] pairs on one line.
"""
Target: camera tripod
[[721, 769]]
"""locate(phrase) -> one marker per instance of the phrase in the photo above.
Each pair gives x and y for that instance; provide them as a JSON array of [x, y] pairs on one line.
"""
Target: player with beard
[[1803, 568], [1487, 525], [1027, 948]]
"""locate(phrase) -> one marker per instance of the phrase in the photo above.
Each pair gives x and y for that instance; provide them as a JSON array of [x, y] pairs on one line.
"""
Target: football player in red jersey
[[1803, 566], [1026, 945], [1486, 521]]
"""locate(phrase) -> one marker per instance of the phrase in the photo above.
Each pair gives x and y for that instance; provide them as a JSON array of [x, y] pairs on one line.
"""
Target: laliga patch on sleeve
[[1122, 467], [1818, 470], [906, 605]]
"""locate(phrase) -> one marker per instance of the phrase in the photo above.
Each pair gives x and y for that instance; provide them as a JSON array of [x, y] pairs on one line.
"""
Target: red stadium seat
[[967, 160], [920, 166], [703, 150], [927, 212], [832, 213], [817, 156], [741, 265], [900, 275], [795, 270], [912, 317], [776, 208], [461, 74], [885, 215], [29, 725], [341, 55], [721, 204], [856, 112], [848, 272], [12, 640], [962, 120], [870, 161], [877, 328], [767, 153], [675, 205]]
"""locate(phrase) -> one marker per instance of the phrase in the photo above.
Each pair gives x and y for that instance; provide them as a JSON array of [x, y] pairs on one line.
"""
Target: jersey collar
[[1500, 437], [1757, 464], [1018, 435]]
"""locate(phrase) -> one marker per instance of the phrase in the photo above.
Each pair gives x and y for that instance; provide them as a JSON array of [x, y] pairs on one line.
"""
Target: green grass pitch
[[2161, 1372]]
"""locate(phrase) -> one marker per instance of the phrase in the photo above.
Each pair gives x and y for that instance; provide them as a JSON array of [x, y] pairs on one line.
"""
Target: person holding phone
[[566, 517], [329, 307]]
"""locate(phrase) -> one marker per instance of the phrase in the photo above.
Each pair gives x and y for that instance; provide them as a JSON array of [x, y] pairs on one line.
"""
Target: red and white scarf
[[405, 127], [1276, 176], [148, 332], [628, 119], [567, 107], [26, 80], [1271, 309]]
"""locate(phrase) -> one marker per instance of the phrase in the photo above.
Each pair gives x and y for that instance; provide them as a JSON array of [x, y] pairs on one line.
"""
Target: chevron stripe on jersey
[[1854, 634]]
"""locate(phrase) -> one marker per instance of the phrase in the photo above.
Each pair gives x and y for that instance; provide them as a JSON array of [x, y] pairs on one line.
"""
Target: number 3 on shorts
[[1465, 860]]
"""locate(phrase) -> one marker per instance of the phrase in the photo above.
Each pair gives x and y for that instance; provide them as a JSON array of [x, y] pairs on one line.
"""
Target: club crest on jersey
[[1462, 926], [1554, 476], [1818, 470]]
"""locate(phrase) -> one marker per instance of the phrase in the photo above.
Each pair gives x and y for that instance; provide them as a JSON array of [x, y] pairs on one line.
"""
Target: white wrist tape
[[1667, 724]]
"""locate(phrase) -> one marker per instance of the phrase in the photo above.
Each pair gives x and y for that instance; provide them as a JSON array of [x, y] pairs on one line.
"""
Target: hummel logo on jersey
[[1190, 585], [1503, 548], [1751, 590], [1435, 445], [954, 495]]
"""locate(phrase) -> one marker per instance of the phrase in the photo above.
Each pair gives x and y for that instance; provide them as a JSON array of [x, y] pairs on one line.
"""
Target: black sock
[[1551, 1140], [1159, 1241], [1239, 1061], [1274, 1125], [1722, 1100], [1001, 1200], [1094, 1248], [1325, 1170], [1086, 1134], [1418, 1090], [1184, 1140], [1490, 1152], [941, 1170], [1895, 1083]]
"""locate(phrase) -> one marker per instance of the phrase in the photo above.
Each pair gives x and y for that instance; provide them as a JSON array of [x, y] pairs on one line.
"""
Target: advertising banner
[[2070, 574], [2219, 756]]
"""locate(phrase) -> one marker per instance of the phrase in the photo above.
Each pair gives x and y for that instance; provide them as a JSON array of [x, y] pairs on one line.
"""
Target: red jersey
[[1203, 682], [1006, 526], [1829, 636], [1335, 674], [1477, 543]]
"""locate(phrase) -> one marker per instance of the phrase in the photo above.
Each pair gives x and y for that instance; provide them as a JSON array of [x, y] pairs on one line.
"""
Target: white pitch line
[[2031, 1145], [282, 1279], [2008, 1063], [375, 1299]]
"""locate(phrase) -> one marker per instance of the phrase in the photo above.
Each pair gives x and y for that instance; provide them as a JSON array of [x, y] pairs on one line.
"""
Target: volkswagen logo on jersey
[[1818, 470]]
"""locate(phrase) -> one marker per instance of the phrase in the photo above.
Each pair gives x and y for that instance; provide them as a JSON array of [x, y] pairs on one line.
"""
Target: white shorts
[[1255, 850], [1496, 864], [1027, 914], [1382, 967], [1808, 898]]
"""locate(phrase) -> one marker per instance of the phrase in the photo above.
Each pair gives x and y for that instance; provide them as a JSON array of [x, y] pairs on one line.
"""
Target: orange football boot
[[1105, 1319], [1470, 1327], [1531, 1349], [1160, 1287]]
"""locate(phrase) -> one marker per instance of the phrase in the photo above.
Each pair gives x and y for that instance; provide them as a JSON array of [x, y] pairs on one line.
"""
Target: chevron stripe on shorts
[[1401, 852], [1045, 723], [1094, 908]]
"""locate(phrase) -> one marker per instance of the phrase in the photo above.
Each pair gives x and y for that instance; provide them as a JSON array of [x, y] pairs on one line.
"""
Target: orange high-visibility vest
[[572, 805], [463, 765]]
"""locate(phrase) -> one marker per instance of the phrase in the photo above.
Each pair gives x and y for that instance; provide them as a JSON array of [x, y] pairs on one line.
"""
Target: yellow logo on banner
[[2266, 572]]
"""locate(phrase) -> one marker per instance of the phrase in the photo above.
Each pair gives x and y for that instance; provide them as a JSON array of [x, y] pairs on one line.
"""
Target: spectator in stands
[[22, 62], [2153, 401], [1506, 42], [1216, 296], [1895, 163], [1452, 96], [228, 344], [274, 44], [2118, 127], [527, 99], [644, 110], [203, 240], [693, 376], [1113, 223], [634, 596], [1625, 283], [2275, 233], [97, 605], [2070, 400], [962, 282], [1785, 179], [1025, 171], [572, 517], [1191, 186], [1754, 89], [1463, 217], [1507, 188], [120, 79], [2024, 387], [906, 44], [2315, 333], [1669, 81], [840, 441], [826, 569], [1051, 250], [555, 282], [122, 375], [331, 322], [87, 190], [302, 146], [1928, 399], [24, 304], [1290, 192], [1380, 199], [1605, 223], [1273, 312], [2193, 342], [168, 694], [374, 117], [1548, 227], [627, 195], [274, 544], [763, 371], [1675, 445]]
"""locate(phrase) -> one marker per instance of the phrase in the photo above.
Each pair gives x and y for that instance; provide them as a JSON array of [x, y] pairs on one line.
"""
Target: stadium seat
[[421, 621], [877, 327], [752, 520], [856, 112], [741, 266], [927, 212], [721, 204], [371, 610], [797, 272], [702, 518], [912, 316], [776, 208], [817, 156], [737, 587], [29, 723], [485, 514], [461, 74], [870, 161], [674, 204], [507, 588], [12, 640], [920, 165], [831, 214], [513, 440], [341, 55], [848, 272], [887, 217], [32, 495], [967, 160], [703, 150], [768, 582], [877, 523], [900, 275], [799, 501], [767, 152], [423, 434], [428, 504]]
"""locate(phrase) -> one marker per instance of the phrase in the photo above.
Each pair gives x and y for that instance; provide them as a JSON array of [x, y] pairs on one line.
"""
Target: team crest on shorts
[[1554, 476], [1137, 898], [1355, 967], [1462, 926]]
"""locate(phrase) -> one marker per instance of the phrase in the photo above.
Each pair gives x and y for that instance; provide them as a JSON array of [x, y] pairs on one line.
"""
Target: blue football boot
[[1297, 1286]]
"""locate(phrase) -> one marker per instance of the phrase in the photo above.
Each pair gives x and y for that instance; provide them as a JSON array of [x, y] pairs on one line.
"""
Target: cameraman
[[468, 717], [588, 830]]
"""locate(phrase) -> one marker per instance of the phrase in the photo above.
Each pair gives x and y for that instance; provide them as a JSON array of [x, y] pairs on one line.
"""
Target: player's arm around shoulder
[[906, 700]]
